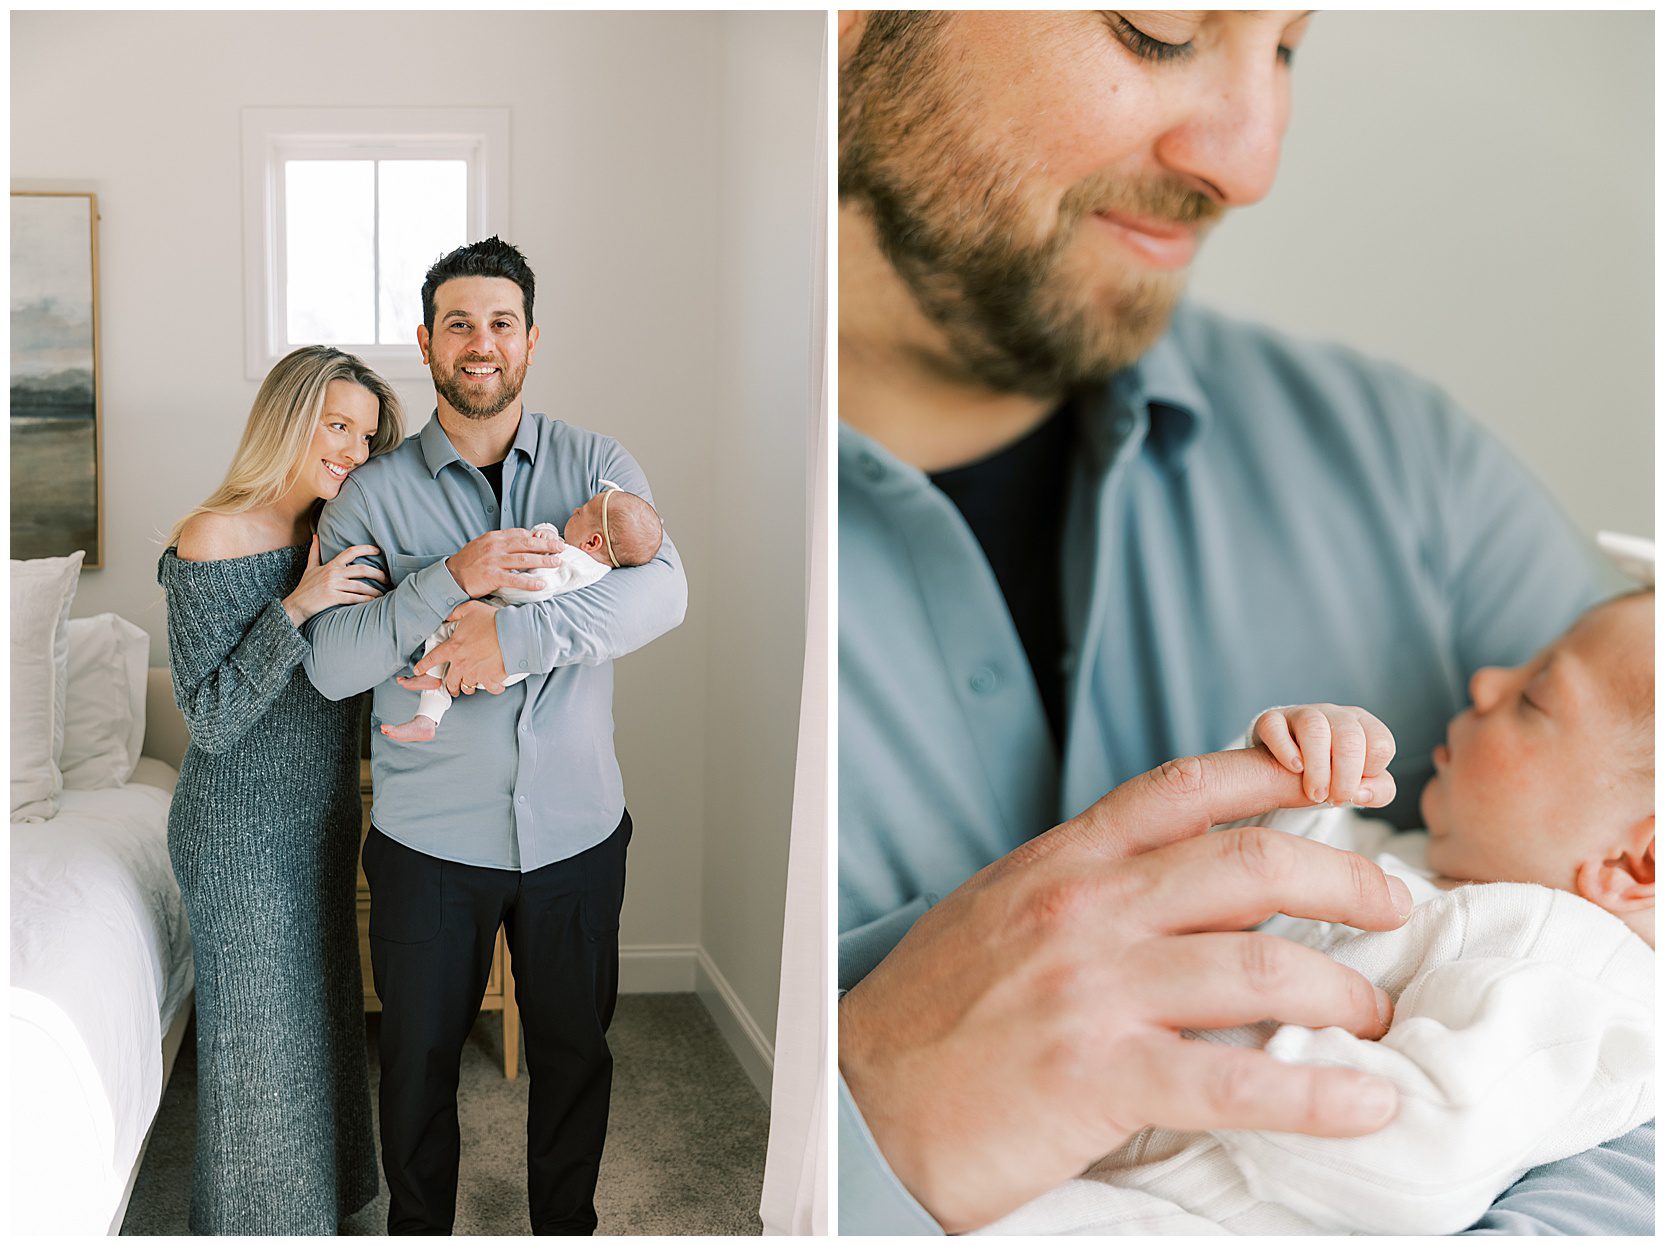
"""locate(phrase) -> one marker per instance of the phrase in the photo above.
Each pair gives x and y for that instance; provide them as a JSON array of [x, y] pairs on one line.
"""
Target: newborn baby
[[612, 529], [1522, 982]]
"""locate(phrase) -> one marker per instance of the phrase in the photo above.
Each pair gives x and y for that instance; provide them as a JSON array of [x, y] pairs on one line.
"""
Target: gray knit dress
[[264, 835]]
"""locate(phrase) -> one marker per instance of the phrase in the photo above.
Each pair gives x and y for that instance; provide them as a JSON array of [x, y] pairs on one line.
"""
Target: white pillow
[[104, 720], [42, 590]]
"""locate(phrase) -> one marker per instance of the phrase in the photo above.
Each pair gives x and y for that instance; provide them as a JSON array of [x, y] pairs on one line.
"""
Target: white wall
[[1471, 194], [770, 70], [619, 201]]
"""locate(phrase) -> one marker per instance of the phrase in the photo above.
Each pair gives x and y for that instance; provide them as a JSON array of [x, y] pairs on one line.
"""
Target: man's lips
[[479, 371], [1160, 243]]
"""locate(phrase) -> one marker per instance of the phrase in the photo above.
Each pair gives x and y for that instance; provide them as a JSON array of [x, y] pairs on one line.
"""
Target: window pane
[[424, 214], [329, 217]]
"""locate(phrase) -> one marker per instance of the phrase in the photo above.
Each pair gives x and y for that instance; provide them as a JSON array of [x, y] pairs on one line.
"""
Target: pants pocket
[[407, 891]]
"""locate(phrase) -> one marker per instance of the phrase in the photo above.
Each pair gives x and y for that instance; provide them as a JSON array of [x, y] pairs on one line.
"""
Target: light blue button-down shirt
[[1250, 521], [529, 777]]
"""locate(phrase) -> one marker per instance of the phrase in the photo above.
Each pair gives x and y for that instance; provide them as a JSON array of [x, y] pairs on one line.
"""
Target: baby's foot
[[418, 730]]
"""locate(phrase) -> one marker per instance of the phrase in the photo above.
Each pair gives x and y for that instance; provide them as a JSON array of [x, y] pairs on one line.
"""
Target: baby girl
[[612, 529], [1522, 982]]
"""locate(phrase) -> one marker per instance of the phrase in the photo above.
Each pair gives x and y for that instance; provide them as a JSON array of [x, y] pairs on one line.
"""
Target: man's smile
[[1160, 243]]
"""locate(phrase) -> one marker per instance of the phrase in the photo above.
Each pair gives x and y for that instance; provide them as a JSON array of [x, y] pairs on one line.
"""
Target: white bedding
[[100, 967]]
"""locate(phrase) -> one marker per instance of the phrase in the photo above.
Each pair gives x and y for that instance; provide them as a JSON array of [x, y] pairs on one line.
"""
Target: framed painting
[[57, 467]]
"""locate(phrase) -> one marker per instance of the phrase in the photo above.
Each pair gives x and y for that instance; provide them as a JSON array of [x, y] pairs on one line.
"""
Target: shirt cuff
[[436, 589], [514, 641], [871, 1200], [861, 949]]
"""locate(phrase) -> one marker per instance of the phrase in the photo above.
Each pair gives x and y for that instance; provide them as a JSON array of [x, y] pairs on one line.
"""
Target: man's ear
[[422, 341], [531, 343], [851, 22], [1622, 883]]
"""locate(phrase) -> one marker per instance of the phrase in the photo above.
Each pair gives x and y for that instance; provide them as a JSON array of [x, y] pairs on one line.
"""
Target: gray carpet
[[685, 1141]]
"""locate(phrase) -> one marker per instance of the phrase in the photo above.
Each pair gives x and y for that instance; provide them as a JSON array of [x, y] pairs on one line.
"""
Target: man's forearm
[[354, 648], [619, 613]]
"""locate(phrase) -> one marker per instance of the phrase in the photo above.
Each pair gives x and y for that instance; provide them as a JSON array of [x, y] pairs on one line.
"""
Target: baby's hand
[[1342, 750]]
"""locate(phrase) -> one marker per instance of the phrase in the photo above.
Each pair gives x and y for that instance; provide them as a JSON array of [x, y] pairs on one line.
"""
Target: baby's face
[[1540, 772], [584, 523]]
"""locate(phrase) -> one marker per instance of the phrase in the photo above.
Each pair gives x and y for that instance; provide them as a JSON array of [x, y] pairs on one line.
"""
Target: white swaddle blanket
[[1522, 1034], [576, 570]]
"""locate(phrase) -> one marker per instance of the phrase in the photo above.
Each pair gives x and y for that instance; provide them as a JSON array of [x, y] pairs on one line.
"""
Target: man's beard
[[468, 401], [953, 218]]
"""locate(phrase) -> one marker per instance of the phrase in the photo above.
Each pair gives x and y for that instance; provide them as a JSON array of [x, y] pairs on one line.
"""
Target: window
[[345, 209]]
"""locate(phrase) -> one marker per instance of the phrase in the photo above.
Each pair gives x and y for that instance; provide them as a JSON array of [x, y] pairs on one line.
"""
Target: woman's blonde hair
[[286, 411]]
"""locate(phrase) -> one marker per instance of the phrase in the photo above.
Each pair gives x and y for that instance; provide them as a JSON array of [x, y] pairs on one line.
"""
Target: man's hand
[[1027, 1024], [1342, 750], [476, 660], [488, 563]]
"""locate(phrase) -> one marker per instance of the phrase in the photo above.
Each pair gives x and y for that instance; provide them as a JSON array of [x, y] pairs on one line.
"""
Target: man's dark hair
[[491, 258]]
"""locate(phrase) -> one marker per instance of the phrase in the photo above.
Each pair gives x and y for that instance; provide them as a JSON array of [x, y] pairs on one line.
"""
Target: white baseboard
[[746, 1039], [645, 968], [648, 968]]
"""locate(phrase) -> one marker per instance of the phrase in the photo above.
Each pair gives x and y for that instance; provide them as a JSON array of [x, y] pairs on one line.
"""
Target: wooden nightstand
[[500, 986]]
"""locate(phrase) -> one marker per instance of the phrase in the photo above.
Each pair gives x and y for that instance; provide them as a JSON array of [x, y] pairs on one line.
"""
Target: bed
[[101, 968]]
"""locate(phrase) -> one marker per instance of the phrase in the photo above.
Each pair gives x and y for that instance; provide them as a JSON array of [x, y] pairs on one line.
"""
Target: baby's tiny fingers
[[1273, 731], [1379, 745], [1347, 749], [1311, 728], [1377, 791]]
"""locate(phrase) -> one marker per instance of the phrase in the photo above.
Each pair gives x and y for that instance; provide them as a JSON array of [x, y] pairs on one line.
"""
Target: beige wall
[[1471, 194], [650, 300], [761, 512]]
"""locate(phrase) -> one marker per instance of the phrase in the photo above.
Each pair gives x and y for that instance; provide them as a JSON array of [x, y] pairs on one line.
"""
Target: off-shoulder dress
[[264, 839]]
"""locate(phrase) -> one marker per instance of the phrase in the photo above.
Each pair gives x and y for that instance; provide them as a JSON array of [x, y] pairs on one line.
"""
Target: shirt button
[[985, 679], [520, 800], [871, 467], [523, 666], [490, 509]]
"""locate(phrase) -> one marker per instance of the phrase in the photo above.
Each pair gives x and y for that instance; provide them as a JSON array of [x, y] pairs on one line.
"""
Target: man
[[1087, 529], [516, 818]]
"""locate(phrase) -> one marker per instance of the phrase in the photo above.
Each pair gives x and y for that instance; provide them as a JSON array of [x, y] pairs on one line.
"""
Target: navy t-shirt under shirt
[[1013, 502]]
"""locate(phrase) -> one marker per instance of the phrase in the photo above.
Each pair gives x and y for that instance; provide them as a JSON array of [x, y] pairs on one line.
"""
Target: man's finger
[[1178, 799], [1192, 1084], [437, 656], [1211, 981], [1238, 878]]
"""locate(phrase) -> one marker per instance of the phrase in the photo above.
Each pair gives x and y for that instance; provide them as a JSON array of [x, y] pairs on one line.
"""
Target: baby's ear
[[1622, 883]]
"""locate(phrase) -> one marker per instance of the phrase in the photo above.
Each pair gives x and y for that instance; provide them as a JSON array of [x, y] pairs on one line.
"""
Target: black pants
[[433, 924]]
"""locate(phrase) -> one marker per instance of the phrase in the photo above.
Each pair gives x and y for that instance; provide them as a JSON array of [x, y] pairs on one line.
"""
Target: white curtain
[[795, 1175]]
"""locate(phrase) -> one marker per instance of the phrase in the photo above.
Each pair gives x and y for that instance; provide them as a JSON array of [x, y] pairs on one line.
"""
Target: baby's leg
[[431, 706], [419, 730]]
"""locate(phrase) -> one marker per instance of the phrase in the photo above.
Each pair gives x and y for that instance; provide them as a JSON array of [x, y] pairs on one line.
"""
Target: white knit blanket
[[1522, 1034]]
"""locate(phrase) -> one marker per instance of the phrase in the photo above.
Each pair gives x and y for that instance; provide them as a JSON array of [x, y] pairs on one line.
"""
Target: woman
[[264, 829]]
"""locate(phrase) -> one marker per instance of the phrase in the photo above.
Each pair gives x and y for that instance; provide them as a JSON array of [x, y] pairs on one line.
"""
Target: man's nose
[[1229, 141]]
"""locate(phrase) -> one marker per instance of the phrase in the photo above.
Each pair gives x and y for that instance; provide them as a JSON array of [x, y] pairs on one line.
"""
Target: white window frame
[[271, 136]]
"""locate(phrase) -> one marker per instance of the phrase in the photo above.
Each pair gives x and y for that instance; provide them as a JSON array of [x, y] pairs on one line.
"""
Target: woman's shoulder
[[211, 537]]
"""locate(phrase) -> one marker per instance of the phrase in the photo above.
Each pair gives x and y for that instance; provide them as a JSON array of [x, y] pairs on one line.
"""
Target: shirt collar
[[437, 449], [1163, 387], [1158, 399]]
